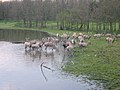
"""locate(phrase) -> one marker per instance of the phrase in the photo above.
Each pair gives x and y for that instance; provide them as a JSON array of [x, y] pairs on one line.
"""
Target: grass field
[[99, 61]]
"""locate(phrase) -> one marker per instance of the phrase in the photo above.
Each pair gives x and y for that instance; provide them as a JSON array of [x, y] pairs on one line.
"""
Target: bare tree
[[94, 15]]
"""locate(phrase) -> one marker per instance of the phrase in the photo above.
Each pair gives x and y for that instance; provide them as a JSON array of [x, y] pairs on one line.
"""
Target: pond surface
[[20, 35], [21, 70]]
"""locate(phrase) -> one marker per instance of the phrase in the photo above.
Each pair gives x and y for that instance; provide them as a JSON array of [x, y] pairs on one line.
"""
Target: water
[[20, 35], [20, 70]]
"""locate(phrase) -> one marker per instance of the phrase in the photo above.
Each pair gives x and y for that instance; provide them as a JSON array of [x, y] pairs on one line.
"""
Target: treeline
[[84, 15]]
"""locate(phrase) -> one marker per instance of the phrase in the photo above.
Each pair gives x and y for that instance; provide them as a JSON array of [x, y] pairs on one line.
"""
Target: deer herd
[[67, 41]]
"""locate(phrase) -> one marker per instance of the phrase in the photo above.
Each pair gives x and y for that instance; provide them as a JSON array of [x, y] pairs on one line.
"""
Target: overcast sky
[[8, 0], [4, 0], [11, 0]]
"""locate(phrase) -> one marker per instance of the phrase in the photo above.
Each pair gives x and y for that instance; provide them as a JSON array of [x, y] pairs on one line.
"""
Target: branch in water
[[48, 68], [43, 72]]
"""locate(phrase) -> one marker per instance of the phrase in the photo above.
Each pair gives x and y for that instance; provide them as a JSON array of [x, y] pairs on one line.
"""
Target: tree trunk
[[111, 27], [81, 25], [42, 25], [24, 22], [57, 25], [104, 26], [77, 26], [30, 23], [100, 26], [62, 26], [119, 26], [115, 27], [92, 26], [36, 23], [88, 26], [97, 27]]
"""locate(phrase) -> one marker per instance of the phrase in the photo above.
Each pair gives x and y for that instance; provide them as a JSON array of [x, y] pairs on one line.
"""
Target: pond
[[21, 70]]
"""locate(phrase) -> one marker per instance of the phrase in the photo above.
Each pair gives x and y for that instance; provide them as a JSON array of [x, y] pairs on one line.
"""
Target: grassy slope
[[100, 61]]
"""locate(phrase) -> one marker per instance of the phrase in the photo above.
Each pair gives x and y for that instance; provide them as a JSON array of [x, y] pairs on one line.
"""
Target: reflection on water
[[21, 70], [20, 35]]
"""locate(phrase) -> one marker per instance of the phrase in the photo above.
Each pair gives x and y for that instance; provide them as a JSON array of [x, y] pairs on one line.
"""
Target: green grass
[[100, 61]]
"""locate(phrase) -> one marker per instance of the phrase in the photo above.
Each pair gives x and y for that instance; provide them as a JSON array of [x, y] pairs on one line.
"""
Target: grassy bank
[[99, 61]]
